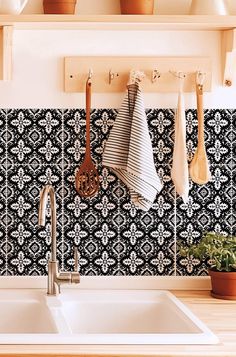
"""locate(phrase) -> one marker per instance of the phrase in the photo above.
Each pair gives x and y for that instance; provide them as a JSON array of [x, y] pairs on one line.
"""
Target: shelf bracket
[[228, 56], [6, 34]]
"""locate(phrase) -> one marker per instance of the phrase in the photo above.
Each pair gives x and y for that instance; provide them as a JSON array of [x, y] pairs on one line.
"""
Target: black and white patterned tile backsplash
[[112, 236]]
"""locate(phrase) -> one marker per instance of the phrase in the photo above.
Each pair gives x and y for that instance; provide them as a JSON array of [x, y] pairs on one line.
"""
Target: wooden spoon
[[87, 178], [199, 167]]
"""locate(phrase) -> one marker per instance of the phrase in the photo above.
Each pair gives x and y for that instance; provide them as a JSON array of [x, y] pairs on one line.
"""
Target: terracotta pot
[[137, 7], [59, 6], [223, 284]]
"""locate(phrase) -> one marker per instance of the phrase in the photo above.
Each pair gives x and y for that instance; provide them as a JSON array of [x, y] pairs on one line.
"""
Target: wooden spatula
[[87, 178], [199, 167]]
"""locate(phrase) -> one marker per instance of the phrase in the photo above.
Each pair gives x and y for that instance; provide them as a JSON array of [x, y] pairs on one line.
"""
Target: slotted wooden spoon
[[199, 167], [87, 178]]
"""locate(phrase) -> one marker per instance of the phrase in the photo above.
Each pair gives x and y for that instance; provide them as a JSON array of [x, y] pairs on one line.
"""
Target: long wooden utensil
[[199, 167], [87, 178]]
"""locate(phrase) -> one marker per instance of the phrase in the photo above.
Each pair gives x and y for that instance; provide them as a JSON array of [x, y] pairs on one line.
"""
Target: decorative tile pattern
[[162, 134], [233, 167], [208, 208], [34, 136], [210, 205], [3, 220], [20, 141], [39, 146], [218, 135], [26, 254], [3, 138]]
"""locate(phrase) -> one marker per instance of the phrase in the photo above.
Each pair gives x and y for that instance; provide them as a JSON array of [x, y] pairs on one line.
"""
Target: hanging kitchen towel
[[179, 171], [128, 151]]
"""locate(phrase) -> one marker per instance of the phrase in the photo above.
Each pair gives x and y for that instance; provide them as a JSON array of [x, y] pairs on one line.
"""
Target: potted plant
[[59, 6], [137, 7], [221, 252]]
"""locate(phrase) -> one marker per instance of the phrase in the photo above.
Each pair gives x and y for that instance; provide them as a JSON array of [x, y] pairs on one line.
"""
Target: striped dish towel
[[128, 151]]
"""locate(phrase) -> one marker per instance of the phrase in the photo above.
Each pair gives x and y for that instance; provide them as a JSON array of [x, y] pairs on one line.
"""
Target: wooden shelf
[[127, 22], [225, 24]]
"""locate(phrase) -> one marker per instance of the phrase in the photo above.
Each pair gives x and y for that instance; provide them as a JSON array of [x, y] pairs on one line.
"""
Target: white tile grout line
[[6, 199], [231, 174], [118, 230], [62, 190]]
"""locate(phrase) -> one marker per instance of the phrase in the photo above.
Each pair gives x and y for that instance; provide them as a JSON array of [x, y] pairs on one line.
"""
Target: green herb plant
[[220, 249]]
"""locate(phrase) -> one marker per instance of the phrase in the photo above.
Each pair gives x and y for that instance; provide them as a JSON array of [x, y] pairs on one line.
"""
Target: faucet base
[[56, 279], [53, 288]]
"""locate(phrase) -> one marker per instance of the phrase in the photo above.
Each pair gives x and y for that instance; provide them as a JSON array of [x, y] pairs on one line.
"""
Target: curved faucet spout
[[46, 191], [55, 278]]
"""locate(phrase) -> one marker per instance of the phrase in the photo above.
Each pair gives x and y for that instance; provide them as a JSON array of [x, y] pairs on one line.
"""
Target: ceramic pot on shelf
[[137, 7], [12, 7], [59, 6], [208, 7]]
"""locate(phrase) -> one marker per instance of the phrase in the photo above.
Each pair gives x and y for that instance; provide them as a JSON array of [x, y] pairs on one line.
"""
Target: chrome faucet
[[55, 278]]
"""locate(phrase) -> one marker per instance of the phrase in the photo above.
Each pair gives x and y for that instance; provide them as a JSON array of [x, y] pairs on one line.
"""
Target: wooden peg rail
[[111, 74]]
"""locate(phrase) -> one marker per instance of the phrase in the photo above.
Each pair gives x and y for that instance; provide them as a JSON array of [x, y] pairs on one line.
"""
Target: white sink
[[132, 317], [25, 317], [24, 313], [98, 317]]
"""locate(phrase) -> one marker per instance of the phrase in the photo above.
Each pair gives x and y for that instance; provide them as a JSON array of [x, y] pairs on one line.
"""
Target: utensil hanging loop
[[89, 80]]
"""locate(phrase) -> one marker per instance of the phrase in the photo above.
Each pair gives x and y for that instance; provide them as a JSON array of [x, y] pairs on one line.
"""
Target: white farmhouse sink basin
[[24, 313], [132, 317], [98, 317], [25, 317]]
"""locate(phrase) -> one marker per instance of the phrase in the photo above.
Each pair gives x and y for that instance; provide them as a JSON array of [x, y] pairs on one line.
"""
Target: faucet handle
[[75, 276], [76, 258]]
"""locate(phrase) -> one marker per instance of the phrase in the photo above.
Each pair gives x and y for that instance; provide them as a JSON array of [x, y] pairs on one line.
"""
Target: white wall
[[38, 61]]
